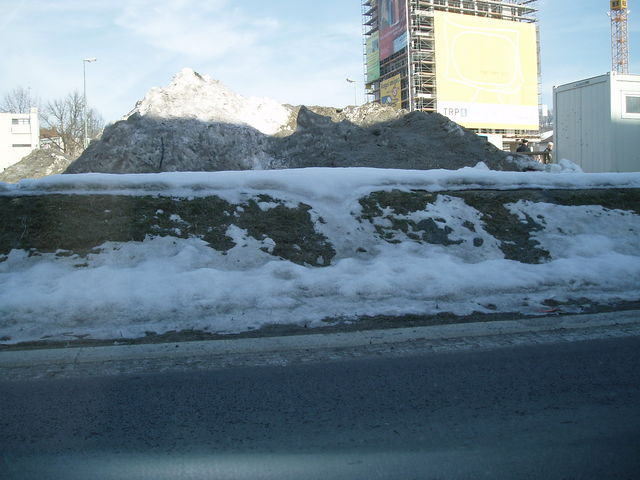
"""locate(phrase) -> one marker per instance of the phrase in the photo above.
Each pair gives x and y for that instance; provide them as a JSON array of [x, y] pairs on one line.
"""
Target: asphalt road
[[558, 411]]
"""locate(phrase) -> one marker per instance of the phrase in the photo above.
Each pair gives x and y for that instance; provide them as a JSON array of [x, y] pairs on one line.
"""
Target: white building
[[19, 136], [597, 123]]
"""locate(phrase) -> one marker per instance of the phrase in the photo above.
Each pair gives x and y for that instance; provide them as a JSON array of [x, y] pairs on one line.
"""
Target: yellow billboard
[[373, 57], [486, 71], [391, 92]]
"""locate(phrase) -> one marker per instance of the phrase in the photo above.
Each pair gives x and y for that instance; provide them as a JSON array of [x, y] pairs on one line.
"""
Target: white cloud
[[193, 28], [281, 51], [300, 66], [9, 16]]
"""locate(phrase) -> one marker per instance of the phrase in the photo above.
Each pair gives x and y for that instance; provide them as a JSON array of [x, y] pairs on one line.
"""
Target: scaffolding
[[416, 63]]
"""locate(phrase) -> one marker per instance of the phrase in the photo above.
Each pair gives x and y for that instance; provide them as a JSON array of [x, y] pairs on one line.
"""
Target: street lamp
[[355, 91], [84, 104]]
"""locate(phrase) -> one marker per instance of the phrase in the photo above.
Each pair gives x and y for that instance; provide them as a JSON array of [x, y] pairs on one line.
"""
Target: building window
[[21, 145], [632, 104], [20, 121], [467, 5]]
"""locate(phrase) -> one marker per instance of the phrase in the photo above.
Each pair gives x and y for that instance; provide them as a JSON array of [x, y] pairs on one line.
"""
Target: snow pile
[[564, 166], [233, 251], [194, 96], [197, 124], [39, 163]]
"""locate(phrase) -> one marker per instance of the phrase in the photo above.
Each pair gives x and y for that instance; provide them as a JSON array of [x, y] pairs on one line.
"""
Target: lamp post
[[84, 103], [355, 91]]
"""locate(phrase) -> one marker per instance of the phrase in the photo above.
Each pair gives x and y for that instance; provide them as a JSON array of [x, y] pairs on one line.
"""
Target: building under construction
[[477, 62]]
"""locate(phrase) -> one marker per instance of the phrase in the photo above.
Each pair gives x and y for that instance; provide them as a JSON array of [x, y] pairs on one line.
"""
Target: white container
[[597, 123]]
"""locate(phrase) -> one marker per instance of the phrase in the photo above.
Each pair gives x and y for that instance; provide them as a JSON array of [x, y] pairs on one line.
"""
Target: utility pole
[[84, 101], [355, 91], [619, 36]]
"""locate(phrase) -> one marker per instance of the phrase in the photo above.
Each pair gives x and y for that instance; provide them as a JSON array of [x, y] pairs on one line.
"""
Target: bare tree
[[65, 118], [19, 100]]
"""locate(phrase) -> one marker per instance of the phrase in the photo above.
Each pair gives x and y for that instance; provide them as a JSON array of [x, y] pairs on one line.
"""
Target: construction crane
[[619, 36]]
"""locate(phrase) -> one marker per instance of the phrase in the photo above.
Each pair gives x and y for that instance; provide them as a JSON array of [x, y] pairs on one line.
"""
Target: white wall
[[494, 139], [19, 136], [591, 127], [583, 123], [626, 126]]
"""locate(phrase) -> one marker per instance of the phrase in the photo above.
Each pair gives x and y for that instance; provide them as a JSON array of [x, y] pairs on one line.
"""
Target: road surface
[[553, 411]]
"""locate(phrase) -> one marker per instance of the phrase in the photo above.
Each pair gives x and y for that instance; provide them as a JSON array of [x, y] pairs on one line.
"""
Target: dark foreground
[[562, 411]]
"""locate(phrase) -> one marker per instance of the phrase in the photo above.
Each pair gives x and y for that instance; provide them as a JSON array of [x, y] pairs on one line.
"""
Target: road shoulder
[[291, 349]]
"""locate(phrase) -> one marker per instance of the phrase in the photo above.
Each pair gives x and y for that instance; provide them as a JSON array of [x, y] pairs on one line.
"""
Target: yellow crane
[[619, 36]]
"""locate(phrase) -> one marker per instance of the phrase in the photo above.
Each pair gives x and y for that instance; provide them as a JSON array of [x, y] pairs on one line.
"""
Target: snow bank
[[316, 182], [392, 242]]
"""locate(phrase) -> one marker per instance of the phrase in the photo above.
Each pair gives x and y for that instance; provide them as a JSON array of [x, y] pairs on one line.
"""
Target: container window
[[632, 104]]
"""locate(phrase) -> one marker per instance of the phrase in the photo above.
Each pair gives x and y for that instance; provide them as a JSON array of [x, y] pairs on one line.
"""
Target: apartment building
[[19, 136]]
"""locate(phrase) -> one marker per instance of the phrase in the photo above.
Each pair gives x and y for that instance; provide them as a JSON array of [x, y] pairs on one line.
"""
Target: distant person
[[524, 146], [548, 153]]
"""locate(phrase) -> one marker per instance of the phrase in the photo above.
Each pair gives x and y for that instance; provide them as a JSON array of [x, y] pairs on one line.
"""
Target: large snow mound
[[198, 124], [116, 256], [194, 96]]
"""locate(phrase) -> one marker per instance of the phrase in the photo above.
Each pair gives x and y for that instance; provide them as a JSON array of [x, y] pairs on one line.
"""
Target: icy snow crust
[[385, 242], [316, 183]]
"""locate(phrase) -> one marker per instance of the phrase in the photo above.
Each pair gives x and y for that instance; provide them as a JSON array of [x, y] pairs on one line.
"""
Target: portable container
[[597, 123]]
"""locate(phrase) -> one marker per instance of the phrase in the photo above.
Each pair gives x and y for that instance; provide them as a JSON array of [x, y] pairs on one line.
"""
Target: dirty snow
[[39, 163], [169, 283], [197, 124]]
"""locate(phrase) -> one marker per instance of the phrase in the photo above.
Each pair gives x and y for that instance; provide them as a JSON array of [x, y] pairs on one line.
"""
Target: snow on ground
[[170, 283], [315, 183]]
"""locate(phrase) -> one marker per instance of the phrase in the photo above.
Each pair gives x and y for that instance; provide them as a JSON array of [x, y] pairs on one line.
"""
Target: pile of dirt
[[145, 144], [377, 136], [39, 163], [197, 124]]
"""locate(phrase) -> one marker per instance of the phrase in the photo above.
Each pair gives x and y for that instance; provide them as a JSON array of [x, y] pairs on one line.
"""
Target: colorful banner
[[373, 57], [393, 26], [391, 92], [487, 71]]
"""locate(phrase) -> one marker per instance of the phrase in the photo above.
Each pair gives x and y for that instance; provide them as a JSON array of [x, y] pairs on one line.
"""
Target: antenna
[[619, 36]]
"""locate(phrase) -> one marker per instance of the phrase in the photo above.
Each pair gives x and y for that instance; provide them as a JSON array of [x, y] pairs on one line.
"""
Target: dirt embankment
[[79, 224]]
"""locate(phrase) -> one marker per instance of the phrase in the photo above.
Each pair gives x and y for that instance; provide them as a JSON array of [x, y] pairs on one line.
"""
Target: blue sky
[[295, 51]]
